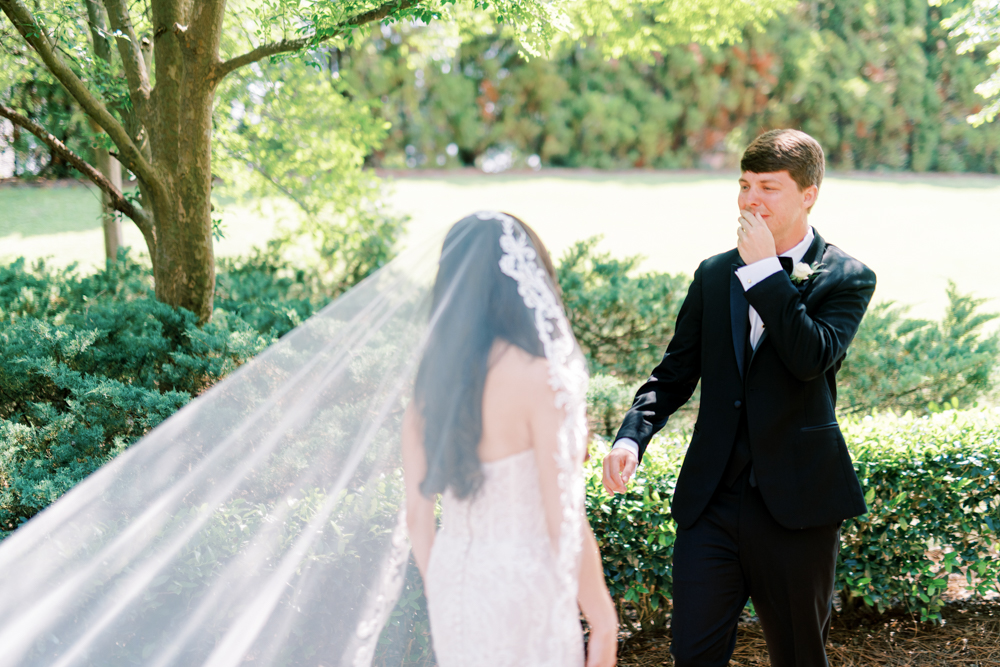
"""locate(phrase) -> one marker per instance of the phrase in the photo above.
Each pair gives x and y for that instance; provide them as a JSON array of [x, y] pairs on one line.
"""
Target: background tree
[[880, 85], [101, 42], [979, 25], [154, 102], [158, 116]]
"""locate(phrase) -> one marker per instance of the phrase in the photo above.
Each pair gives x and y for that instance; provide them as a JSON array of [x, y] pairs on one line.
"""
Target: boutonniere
[[803, 273]]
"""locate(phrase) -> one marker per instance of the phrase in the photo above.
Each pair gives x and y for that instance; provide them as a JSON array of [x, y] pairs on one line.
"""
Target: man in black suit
[[767, 479]]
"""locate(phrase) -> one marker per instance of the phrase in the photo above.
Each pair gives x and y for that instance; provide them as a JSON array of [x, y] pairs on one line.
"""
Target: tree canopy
[[979, 24], [147, 76]]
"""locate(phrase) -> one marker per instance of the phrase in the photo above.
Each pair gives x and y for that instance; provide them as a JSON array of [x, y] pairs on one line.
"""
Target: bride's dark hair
[[474, 304]]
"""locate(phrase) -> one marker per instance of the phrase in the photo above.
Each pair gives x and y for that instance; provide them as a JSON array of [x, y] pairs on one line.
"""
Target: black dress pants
[[736, 551]]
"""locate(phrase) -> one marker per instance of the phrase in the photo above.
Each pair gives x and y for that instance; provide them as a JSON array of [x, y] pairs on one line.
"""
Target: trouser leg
[[709, 586], [790, 574]]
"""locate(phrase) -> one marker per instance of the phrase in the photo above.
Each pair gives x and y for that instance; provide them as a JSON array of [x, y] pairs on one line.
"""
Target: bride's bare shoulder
[[516, 370]]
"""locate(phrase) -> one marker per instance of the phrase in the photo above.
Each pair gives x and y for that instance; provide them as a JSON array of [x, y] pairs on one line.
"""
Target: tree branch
[[289, 45], [131, 52], [118, 202], [32, 33]]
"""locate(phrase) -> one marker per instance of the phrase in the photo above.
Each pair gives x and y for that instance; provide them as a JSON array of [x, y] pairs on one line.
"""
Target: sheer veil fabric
[[263, 523]]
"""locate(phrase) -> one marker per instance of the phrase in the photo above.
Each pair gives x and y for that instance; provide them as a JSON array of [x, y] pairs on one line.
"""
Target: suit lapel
[[739, 314], [816, 249], [815, 254]]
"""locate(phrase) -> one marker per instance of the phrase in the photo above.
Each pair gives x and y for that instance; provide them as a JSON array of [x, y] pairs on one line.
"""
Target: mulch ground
[[969, 637]]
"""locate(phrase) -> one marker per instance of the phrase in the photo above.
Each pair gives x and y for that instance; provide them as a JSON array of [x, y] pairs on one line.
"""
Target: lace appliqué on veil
[[567, 377]]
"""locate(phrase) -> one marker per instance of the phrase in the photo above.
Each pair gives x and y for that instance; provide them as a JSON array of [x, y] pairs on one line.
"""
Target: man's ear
[[809, 196]]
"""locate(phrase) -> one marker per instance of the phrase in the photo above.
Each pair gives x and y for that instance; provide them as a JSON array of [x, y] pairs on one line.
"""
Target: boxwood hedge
[[933, 490]]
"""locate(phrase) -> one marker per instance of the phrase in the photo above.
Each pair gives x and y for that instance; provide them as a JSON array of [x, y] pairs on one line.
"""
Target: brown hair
[[456, 360], [786, 150]]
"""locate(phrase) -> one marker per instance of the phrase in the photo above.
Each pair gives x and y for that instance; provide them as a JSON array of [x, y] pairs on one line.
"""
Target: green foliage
[[643, 27], [47, 103], [902, 364], [608, 399], [275, 293], [978, 24], [636, 533], [293, 130], [622, 320], [93, 363], [878, 84], [933, 491]]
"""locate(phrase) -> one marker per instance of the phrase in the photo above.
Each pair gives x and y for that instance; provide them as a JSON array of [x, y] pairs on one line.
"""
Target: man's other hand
[[619, 466]]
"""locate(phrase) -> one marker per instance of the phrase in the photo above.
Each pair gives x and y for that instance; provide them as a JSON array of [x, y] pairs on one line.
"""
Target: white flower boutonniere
[[803, 272]]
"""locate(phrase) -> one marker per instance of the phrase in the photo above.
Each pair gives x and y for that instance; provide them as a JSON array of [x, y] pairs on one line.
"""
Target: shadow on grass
[[36, 210]]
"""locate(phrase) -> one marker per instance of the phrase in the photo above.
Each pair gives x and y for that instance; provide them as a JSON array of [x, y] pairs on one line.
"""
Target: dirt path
[[970, 637]]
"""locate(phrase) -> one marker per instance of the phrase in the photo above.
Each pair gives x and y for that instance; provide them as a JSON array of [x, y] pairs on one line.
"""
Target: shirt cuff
[[629, 444], [751, 274]]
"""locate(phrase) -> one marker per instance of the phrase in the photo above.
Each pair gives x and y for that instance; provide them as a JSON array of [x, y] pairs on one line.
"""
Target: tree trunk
[[106, 164], [180, 135], [112, 170]]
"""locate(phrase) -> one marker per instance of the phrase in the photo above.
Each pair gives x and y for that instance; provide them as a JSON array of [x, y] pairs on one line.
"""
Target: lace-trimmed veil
[[263, 522]]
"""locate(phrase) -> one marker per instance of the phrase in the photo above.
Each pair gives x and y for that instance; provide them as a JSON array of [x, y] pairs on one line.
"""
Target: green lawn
[[916, 232], [63, 223]]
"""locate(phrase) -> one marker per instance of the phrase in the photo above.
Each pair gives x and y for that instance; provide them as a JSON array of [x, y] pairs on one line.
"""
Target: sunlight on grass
[[916, 232]]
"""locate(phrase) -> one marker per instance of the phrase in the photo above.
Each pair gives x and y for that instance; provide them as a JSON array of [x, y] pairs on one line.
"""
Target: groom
[[767, 479]]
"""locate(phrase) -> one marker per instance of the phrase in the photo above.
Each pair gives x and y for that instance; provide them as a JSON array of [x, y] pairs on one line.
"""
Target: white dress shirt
[[749, 275]]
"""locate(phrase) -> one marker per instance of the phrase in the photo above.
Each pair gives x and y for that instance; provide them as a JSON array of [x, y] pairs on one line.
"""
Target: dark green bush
[[622, 320], [897, 363], [932, 486], [90, 364]]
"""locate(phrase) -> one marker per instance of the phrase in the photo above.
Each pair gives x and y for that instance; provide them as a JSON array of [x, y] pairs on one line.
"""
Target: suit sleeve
[[809, 345], [674, 379]]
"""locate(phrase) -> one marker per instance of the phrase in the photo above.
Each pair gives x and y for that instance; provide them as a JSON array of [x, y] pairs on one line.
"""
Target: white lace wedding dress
[[492, 580]]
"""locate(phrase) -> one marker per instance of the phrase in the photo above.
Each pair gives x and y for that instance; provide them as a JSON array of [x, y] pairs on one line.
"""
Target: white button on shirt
[[750, 275]]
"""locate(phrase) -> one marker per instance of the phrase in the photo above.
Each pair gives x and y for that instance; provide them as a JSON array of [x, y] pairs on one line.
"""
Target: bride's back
[[516, 388]]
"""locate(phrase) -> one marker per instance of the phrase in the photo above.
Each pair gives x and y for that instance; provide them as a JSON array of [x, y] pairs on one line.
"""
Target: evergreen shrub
[[92, 363], [624, 320]]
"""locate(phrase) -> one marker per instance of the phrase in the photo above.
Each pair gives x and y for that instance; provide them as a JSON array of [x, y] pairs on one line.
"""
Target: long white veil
[[263, 523]]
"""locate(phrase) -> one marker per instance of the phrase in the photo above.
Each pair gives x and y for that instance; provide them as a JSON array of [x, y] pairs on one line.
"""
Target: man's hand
[[755, 241], [619, 466]]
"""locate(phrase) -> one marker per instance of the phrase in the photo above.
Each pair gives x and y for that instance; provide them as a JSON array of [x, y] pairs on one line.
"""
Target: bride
[[265, 521], [494, 426]]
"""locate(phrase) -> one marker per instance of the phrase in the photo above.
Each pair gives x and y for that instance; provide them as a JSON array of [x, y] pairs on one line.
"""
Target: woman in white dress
[[497, 427]]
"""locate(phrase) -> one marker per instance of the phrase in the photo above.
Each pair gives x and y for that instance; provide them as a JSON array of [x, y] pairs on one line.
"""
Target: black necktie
[[786, 264]]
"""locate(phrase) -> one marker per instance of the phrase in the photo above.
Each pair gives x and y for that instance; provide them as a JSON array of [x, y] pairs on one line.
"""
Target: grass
[[915, 231]]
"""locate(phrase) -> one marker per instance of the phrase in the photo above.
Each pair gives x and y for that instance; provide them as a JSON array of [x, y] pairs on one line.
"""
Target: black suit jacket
[[787, 388]]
